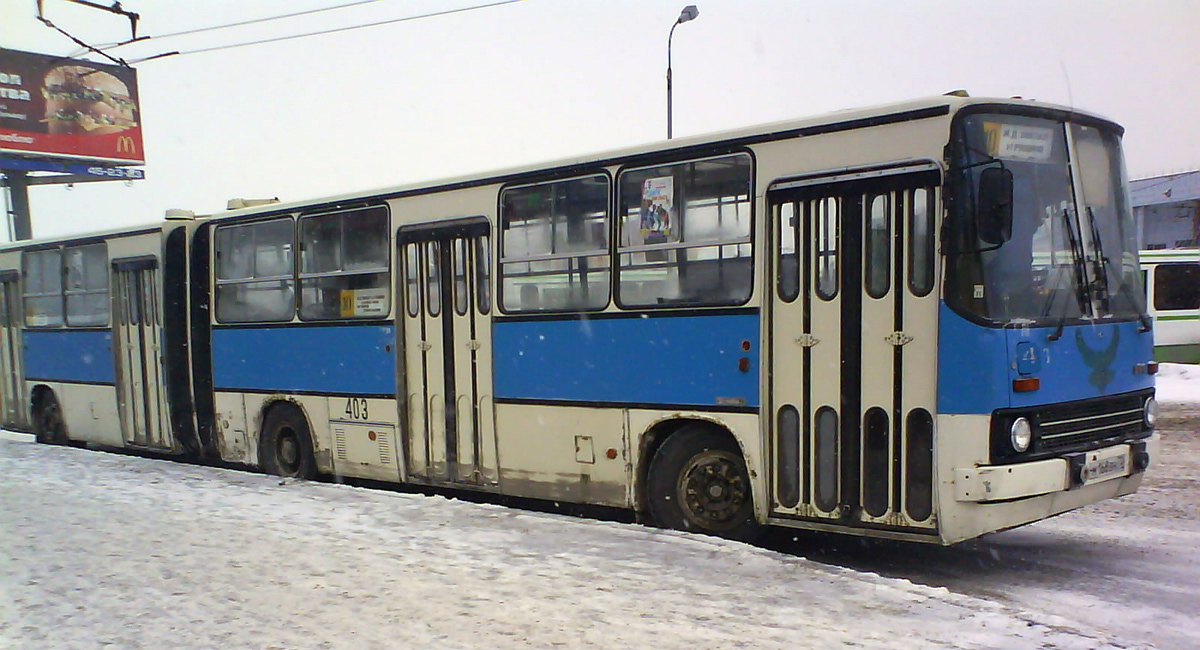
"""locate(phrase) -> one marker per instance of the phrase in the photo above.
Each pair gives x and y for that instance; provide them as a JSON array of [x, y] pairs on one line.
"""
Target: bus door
[[13, 409], [853, 343], [447, 340], [137, 345]]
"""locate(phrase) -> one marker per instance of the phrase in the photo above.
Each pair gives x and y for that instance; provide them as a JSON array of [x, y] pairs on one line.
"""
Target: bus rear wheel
[[285, 448], [698, 482], [47, 420]]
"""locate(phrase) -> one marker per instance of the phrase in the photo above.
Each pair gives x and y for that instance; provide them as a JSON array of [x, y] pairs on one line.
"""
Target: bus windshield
[[1070, 250]]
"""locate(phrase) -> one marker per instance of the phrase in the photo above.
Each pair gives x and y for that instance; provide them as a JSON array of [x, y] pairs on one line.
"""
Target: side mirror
[[993, 219]]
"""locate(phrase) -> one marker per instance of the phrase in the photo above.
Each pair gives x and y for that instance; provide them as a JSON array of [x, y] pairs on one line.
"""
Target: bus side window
[[921, 254], [87, 285], [433, 278], [254, 274], [344, 265], [788, 268], [685, 233], [879, 245], [828, 220], [483, 274], [462, 295], [554, 238], [43, 288], [412, 278], [1177, 286]]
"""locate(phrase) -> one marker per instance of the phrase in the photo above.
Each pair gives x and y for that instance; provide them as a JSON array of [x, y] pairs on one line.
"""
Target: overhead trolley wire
[[327, 31], [252, 21]]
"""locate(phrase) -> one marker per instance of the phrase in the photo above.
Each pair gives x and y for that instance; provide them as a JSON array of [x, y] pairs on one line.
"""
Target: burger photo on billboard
[[86, 101]]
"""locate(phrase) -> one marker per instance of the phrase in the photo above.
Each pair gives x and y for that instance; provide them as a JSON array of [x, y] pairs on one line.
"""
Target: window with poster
[[685, 233]]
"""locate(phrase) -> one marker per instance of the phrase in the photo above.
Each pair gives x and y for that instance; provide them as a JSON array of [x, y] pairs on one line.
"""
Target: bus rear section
[[98, 351]]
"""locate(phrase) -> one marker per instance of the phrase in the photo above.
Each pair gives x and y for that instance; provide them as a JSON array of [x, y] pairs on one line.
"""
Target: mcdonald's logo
[[125, 144]]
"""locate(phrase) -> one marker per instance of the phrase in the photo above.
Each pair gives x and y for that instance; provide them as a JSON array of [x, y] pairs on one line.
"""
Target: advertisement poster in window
[[69, 108], [658, 199]]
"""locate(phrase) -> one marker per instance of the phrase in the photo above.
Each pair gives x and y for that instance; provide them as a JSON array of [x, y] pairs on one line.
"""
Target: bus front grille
[[1072, 426], [1068, 430]]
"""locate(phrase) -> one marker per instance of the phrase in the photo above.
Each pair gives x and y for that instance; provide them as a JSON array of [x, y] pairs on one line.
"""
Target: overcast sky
[[545, 79]]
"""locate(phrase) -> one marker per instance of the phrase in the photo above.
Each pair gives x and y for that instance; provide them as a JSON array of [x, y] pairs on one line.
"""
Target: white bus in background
[[1173, 298]]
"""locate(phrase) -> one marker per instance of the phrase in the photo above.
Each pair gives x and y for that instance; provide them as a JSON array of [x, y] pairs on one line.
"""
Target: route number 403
[[356, 408]]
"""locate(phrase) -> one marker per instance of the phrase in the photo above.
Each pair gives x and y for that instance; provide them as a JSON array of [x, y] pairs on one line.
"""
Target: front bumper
[[987, 483], [992, 483]]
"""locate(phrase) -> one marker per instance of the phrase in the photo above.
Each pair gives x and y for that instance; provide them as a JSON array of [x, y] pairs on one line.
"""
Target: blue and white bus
[[921, 321]]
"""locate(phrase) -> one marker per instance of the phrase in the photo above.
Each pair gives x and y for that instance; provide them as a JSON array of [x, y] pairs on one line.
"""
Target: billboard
[[67, 108]]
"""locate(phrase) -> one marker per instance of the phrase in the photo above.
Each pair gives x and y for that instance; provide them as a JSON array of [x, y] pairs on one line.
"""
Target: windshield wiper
[[1082, 294], [1107, 265]]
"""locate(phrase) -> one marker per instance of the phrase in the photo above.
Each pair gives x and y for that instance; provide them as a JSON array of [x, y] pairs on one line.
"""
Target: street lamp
[[689, 13]]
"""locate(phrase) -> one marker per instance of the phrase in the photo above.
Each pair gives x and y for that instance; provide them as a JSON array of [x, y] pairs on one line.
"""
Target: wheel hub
[[289, 452], [713, 490]]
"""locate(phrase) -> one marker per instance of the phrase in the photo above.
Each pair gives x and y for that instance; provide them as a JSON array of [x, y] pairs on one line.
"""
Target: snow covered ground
[[110, 551], [101, 550], [1178, 383]]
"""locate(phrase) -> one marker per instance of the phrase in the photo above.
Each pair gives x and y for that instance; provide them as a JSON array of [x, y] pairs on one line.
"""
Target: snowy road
[[107, 551]]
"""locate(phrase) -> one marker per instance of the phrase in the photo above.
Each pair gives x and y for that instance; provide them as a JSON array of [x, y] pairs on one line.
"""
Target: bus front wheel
[[698, 482], [285, 448]]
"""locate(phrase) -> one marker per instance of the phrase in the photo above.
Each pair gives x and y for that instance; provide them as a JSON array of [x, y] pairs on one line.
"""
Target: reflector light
[[1026, 384], [1152, 368]]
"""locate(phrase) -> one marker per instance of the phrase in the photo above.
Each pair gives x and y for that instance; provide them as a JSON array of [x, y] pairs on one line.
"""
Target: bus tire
[[698, 482], [285, 446], [48, 424]]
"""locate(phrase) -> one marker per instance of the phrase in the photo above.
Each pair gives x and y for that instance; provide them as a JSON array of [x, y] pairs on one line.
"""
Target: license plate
[[1103, 465]]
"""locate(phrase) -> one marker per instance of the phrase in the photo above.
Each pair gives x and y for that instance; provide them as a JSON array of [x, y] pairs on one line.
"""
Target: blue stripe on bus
[[342, 359], [976, 365], [655, 360], [69, 355]]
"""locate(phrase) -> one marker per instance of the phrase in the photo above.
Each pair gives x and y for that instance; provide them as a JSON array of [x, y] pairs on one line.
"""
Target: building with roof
[[1167, 210]]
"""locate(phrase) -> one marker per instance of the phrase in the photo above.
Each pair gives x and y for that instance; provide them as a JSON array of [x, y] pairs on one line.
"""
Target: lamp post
[[689, 13]]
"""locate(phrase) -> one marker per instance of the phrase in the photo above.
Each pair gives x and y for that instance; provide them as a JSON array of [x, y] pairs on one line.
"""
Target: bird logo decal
[[1100, 361]]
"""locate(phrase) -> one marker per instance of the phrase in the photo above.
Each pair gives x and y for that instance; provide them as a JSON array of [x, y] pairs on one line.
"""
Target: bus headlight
[[1150, 412], [1020, 434]]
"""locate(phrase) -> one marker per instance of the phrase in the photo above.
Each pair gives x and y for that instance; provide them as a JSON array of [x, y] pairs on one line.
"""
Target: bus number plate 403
[[1101, 466], [356, 408]]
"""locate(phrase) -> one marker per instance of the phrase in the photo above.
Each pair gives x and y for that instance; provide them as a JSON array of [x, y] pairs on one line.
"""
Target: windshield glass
[[1108, 220], [1049, 268]]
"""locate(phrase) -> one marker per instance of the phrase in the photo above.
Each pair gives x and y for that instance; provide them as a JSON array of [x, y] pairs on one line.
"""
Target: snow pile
[[100, 551], [1178, 383]]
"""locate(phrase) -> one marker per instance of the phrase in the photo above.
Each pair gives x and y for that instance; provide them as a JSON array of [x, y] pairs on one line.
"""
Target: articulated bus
[[1172, 279], [923, 321]]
